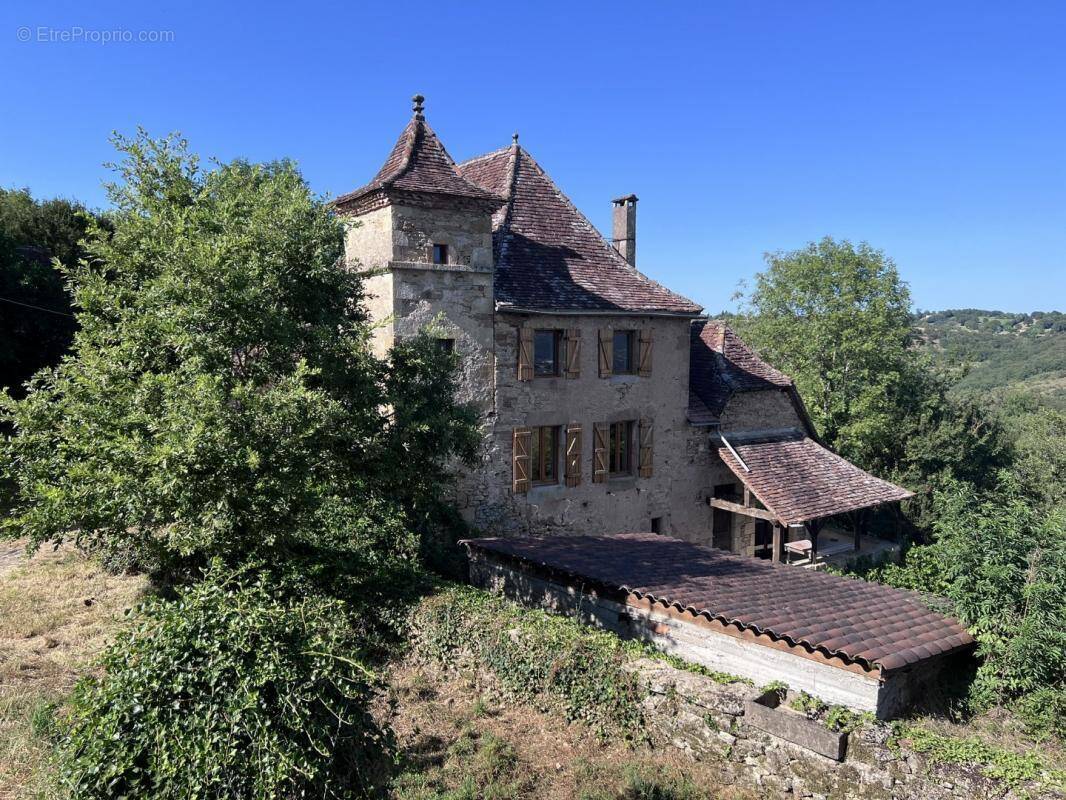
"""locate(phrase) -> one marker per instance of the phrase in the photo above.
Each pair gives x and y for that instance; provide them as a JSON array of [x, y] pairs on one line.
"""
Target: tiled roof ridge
[[878, 491], [414, 140], [871, 652], [590, 228], [508, 209]]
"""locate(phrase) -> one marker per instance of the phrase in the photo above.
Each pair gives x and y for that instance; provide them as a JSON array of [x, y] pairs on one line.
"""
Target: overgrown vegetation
[[548, 660], [221, 406], [986, 526], [226, 691], [1013, 769]]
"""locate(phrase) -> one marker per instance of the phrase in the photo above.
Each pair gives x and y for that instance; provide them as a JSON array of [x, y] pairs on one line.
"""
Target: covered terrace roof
[[798, 480]]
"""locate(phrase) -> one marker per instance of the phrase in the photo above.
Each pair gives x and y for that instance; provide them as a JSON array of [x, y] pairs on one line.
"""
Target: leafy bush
[[1001, 562], [226, 691], [541, 658], [1014, 769], [222, 398]]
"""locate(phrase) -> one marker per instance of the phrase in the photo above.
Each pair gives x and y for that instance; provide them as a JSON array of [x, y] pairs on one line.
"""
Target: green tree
[[1002, 563], [36, 323], [836, 317], [222, 398]]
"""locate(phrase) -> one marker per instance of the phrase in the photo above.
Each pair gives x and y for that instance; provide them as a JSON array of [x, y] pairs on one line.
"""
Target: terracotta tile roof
[[419, 163], [799, 480], [548, 255], [865, 623], [720, 365]]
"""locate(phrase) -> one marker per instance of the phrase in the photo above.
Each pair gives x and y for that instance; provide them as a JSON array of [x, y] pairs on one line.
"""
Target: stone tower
[[422, 237]]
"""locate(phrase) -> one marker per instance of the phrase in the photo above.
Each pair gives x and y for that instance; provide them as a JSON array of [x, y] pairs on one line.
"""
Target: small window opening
[[623, 353], [656, 524], [620, 452], [446, 345], [440, 254], [546, 352], [545, 455]]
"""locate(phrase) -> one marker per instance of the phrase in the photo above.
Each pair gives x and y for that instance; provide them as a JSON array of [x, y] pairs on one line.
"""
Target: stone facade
[[405, 293], [676, 490]]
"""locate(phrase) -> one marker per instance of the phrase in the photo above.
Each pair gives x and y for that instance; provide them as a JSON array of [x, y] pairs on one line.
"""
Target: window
[[446, 345], [545, 455], [440, 254], [623, 353], [656, 524], [620, 449], [546, 352]]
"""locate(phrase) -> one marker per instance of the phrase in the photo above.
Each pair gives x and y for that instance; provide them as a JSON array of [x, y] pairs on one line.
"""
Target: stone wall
[[766, 409], [677, 490], [707, 720]]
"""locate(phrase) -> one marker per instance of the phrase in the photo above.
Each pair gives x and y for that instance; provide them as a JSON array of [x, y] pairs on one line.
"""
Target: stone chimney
[[624, 233]]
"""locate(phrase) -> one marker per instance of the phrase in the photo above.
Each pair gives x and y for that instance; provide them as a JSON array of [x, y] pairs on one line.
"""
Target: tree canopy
[[36, 323], [836, 317], [221, 398]]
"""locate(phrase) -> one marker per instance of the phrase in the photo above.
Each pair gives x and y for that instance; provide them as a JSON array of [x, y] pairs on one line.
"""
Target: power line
[[36, 308]]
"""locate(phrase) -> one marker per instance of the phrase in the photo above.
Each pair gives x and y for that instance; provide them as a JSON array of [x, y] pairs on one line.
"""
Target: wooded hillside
[[1000, 350]]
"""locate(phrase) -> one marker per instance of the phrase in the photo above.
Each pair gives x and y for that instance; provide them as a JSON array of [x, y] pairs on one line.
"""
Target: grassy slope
[[57, 611], [456, 738]]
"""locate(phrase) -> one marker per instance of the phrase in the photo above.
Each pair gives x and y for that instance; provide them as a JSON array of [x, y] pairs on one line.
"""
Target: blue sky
[[935, 131]]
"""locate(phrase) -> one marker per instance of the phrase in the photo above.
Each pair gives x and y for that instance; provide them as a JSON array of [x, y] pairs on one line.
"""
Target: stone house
[[608, 402]]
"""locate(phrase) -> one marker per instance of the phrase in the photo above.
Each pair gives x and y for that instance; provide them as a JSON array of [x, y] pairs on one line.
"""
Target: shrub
[[544, 659], [226, 691]]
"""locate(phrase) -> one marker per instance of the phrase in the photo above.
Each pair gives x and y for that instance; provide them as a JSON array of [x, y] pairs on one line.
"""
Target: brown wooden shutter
[[521, 446], [644, 353], [606, 352], [573, 454], [599, 452], [573, 353], [646, 451], [525, 354]]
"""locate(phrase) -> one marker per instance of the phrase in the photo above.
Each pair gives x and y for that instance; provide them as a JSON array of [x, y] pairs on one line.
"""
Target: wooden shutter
[[522, 441], [599, 452], [606, 352], [573, 353], [646, 451], [644, 353], [525, 354], [573, 454]]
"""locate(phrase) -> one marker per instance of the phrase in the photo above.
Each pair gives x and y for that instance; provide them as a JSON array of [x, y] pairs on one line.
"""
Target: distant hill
[[999, 350]]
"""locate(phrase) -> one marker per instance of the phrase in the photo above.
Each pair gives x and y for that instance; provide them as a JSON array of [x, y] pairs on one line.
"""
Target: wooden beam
[[737, 508], [778, 544]]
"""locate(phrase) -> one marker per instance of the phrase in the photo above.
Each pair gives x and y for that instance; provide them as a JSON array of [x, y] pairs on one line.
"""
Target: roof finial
[[418, 100], [514, 138]]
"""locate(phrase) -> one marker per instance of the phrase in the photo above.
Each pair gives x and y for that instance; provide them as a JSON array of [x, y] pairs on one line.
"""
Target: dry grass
[[460, 740], [57, 611]]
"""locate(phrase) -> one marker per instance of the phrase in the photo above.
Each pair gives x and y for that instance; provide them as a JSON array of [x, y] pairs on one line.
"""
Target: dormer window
[[440, 254]]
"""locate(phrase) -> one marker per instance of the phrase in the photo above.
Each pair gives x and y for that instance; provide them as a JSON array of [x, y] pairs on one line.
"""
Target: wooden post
[[813, 527], [778, 544], [860, 522]]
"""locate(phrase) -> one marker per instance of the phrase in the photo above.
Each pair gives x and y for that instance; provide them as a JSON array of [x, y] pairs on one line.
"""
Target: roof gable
[[798, 480], [419, 163], [720, 365], [548, 256]]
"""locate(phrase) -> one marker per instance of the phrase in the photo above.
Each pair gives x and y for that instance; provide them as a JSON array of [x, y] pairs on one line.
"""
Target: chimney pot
[[624, 232]]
